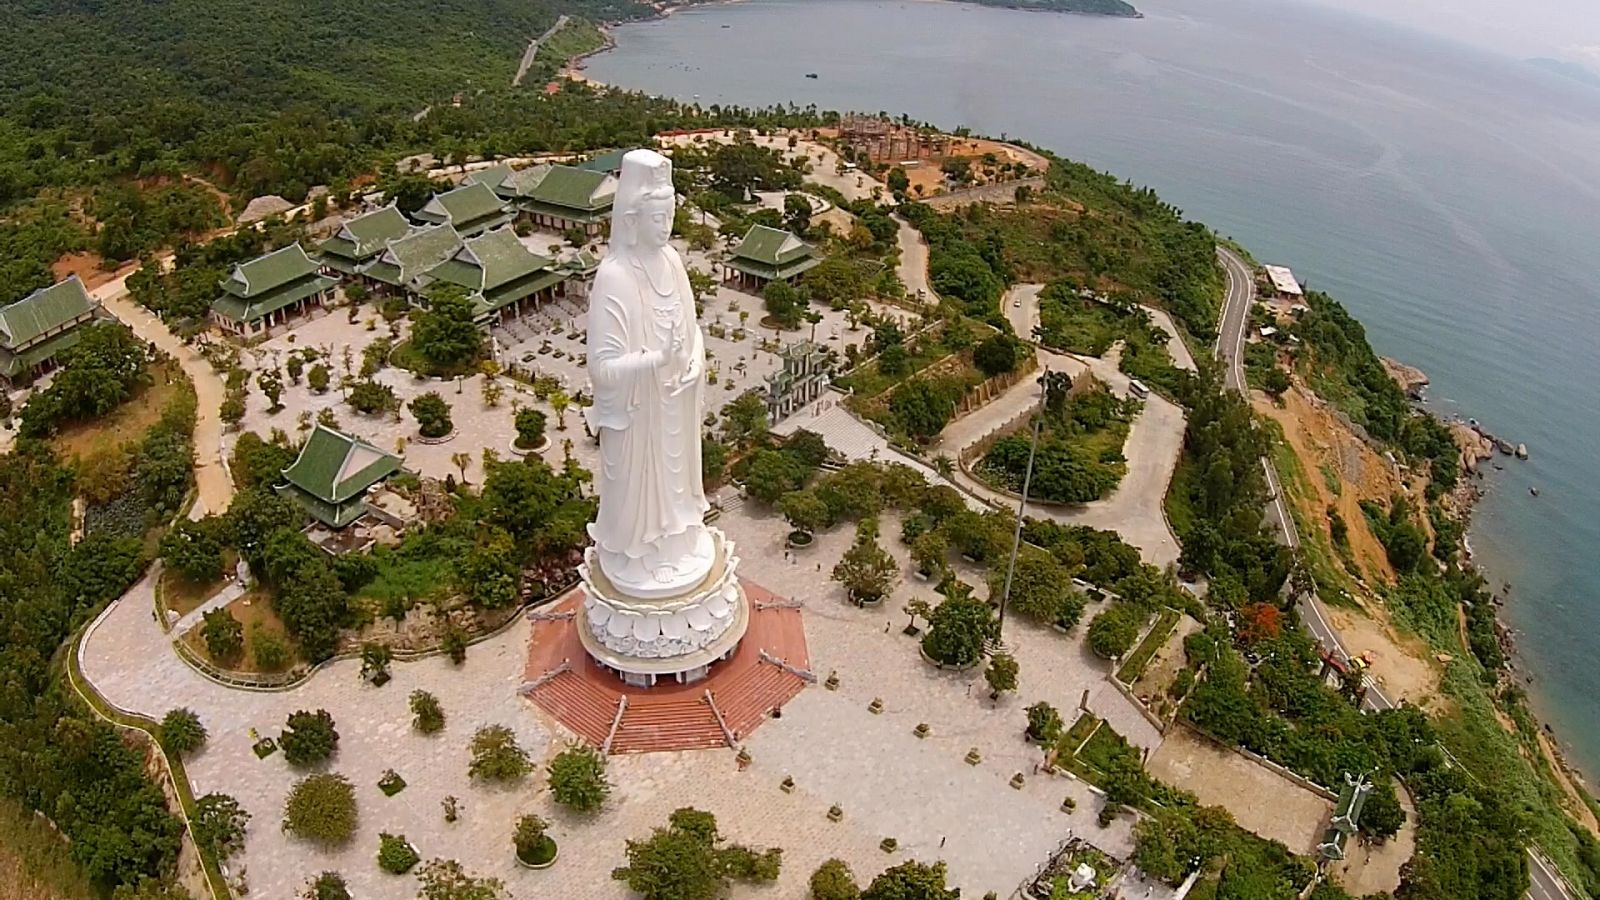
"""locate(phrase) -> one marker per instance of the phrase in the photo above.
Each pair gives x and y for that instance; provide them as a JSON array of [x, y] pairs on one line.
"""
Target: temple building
[[580, 268], [500, 274], [361, 240], [559, 198], [766, 255], [36, 328], [331, 476], [269, 290], [470, 209], [1346, 817], [402, 262]]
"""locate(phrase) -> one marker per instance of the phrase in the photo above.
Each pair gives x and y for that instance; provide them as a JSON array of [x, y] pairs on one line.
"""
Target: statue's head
[[641, 216]]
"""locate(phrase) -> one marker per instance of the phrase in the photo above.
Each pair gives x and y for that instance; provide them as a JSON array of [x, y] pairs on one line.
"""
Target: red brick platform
[[744, 689]]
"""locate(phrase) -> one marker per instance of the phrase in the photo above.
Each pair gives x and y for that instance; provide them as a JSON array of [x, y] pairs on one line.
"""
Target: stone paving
[[890, 783]]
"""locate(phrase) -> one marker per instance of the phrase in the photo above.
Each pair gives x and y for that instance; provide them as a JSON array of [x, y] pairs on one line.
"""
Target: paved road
[[1546, 881], [913, 269], [533, 50]]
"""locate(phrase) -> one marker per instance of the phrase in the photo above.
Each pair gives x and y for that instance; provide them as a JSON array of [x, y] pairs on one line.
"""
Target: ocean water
[[1449, 196]]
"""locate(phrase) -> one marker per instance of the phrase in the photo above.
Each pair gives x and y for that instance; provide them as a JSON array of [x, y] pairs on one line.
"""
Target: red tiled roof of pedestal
[[669, 716]]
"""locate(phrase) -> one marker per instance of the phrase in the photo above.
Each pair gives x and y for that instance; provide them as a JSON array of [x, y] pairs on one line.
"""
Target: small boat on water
[[1534, 491], [812, 75]]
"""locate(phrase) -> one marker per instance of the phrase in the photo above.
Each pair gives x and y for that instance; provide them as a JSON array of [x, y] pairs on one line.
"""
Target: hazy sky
[[1567, 29]]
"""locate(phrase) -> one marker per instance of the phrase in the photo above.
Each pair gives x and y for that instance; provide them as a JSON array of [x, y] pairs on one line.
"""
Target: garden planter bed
[[445, 439]]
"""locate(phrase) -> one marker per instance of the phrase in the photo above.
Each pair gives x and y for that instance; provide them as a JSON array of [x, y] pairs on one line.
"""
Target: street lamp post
[[1022, 505]]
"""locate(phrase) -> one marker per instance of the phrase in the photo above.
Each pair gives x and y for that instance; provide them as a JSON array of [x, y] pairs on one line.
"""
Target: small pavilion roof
[[334, 467]]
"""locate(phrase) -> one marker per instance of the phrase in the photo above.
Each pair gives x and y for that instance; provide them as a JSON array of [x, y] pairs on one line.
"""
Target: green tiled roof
[[564, 188], [14, 364], [489, 261], [334, 467], [605, 162], [581, 263], [488, 301], [266, 274], [262, 305], [470, 208], [415, 254], [365, 236], [772, 253], [493, 177], [43, 311]]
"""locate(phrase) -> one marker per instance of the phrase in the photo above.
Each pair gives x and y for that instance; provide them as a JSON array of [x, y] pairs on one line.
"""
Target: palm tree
[[461, 461], [559, 401]]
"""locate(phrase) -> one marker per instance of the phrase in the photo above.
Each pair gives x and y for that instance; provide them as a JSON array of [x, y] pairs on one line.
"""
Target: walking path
[[913, 269], [230, 592], [211, 475]]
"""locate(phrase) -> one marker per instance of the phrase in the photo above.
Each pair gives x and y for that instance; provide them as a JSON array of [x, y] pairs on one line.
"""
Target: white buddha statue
[[647, 363]]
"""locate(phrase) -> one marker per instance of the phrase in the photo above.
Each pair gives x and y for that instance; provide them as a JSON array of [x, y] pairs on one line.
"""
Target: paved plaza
[[889, 782]]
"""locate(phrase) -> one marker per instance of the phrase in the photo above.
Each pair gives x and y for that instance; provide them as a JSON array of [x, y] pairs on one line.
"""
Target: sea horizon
[[1441, 191]]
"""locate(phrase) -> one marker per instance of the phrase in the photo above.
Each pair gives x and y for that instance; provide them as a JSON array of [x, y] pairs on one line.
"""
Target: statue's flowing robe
[[649, 479]]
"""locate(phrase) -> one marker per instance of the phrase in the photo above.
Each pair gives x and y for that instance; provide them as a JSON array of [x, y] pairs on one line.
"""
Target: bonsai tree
[[496, 756], [181, 732], [1044, 723], [917, 608], [928, 551], [371, 397], [911, 880], [958, 630], [833, 880], [805, 511], [318, 378], [321, 809], [309, 738], [432, 414], [375, 657], [684, 860], [426, 714], [445, 879], [578, 778], [534, 846], [1001, 675], [530, 425], [866, 570], [395, 854], [271, 384], [295, 366]]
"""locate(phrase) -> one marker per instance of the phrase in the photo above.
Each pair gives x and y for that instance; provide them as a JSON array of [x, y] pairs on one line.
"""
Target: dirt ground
[[1400, 664], [1260, 800], [127, 422], [1322, 443], [1151, 687], [1370, 868], [1572, 798], [254, 611]]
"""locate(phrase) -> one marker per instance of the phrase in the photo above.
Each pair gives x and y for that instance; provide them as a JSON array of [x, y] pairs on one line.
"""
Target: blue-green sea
[[1448, 195]]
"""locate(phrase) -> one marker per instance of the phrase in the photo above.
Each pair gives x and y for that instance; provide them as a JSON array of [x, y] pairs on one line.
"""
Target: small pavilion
[[35, 329], [360, 241], [269, 290], [766, 255], [470, 209], [331, 476]]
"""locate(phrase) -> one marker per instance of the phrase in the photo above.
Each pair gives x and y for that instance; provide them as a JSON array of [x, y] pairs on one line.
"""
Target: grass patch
[[576, 38], [1141, 655], [128, 422], [35, 861], [1179, 508], [407, 578], [1077, 734], [182, 596]]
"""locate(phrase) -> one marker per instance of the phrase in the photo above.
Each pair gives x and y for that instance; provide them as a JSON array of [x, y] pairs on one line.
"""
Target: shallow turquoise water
[[1450, 197]]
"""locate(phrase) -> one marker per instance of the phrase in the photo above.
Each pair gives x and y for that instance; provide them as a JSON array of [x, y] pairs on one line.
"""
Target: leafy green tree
[[958, 630], [744, 420], [445, 879], [496, 755], [395, 854], [534, 845], [254, 516], [804, 511], [922, 406], [309, 738], [1113, 630], [271, 653], [193, 549], [578, 778], [797, 212], [1041, 589], [375, 658], [181, 731], [771, 474], [294, 366], [219, 824], [318, 378], [928, 551], [1383, 816], [998, 355], [684, 862], [911, 881], [444, 333], [223, 636], [372, 397], [321, 809], [489, 571], [271, 384], [530, 425], [1001, 674], [432, 414], [427, 716], [97, 375], [1275, 381], [833, 880], [866, 570], [326, 886], [1044, 723], [783, 303]]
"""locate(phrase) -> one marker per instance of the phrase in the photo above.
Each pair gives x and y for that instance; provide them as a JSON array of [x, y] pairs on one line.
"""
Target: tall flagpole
[[1022, 506]]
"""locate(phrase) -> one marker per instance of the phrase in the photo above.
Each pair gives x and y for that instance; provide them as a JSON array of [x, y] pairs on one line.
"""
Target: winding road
[[1546, 881]]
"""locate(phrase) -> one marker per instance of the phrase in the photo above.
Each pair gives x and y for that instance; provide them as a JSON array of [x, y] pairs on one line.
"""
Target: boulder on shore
[[1411, 379]]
